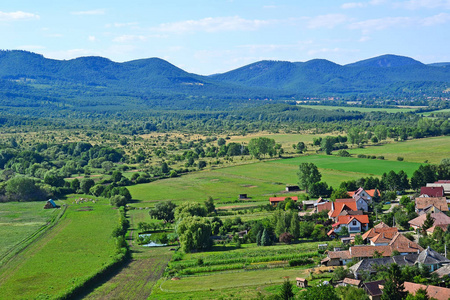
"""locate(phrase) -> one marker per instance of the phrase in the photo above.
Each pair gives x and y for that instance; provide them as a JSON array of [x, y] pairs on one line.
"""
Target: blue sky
[[207, 37]]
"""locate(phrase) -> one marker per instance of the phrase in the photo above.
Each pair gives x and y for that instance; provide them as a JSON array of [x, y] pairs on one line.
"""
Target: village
[[368, 249]]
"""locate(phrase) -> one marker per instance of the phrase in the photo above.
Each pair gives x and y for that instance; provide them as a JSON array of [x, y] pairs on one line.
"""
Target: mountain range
[[25, 76]]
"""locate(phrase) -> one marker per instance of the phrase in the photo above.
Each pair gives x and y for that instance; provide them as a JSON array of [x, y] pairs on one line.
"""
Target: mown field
[[19, 220], [73, 250], [432, 149], [260, 180]]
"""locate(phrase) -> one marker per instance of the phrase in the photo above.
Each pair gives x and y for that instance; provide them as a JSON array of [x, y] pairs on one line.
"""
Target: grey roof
[[373, 288], [445, 270], [431, 257], [368, 264]]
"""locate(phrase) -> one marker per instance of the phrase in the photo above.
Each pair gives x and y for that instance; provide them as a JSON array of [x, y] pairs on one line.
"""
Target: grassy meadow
[[360, 109], [19, 220], [74, 249]]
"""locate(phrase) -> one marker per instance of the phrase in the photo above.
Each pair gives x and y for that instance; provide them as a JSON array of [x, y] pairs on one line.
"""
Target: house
[[398, 243], [437, 292], [292, 188], [301, 282], [275, 200], [369, 266], [361, 204], [431, 259], [381, 230], [366, 195], [431, 204], [443, 183], [353, 224], [432, 191], [338, 207], [444, 271], [308, 204], [373, 289], [322, 206], [440, 219]]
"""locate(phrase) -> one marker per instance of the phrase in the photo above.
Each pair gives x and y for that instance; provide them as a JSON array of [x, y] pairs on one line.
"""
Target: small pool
[[151, 243]]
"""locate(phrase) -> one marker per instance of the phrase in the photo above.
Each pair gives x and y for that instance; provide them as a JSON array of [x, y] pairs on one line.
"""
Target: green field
[[360, 109], [432, 149], [66, 255], [19, 220]]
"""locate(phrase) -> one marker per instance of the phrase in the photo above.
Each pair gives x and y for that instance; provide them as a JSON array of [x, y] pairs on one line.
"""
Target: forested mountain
[[29, 79]]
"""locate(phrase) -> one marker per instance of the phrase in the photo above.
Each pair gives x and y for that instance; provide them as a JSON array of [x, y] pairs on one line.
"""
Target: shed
[[243, 196], [302, 282], [292, 188], [50, 204]]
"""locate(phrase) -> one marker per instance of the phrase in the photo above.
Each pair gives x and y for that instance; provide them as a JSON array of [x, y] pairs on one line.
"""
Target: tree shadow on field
[[101, 279]]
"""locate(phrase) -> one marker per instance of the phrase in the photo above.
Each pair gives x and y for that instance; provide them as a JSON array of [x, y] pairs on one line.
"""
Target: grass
[[74, 249], [432, 149], [19, 220]]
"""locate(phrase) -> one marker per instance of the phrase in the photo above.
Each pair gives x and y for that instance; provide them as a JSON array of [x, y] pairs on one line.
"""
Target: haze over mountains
[[26, 74]]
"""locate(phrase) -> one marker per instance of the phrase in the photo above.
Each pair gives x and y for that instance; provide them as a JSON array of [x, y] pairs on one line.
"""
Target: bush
[[399, 158], [118, 200], [300, 262], [343, 153], [380, 157], [362, 156], [286, 238]]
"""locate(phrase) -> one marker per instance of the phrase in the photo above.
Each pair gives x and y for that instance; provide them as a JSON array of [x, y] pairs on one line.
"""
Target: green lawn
[[19, 220], [73, 250], [432, 150]]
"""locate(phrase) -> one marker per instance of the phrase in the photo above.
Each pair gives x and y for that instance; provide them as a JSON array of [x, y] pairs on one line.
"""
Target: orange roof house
[[436, 292], [338, 207], [275, 200], [424, 203]]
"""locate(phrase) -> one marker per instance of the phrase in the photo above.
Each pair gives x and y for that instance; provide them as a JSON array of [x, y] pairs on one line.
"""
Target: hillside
[[29, 79]]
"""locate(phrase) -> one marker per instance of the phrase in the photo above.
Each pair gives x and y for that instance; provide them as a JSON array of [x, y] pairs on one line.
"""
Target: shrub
[[380, 157], [286, 238], [300, 262], [343, 153], [362, 156], [399, 158]]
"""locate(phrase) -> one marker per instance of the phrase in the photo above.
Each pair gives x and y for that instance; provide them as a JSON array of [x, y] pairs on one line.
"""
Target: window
[[354, 223]]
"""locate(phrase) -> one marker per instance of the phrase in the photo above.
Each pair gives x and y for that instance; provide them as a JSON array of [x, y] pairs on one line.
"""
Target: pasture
[[20, 220], [360, 109], [432, 149], [77, 247]]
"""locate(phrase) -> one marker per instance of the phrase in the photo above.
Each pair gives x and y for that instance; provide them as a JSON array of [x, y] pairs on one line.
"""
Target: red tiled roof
[[350, 281], [324, 206], [438, 202], [432, 291], [372, 193], [432, 191], [280, 199], [381, 225], [439, 219], [368, 251], [400, 243], [371, 233], [339, 206], [344, 200], [339, 254], [364, 219]]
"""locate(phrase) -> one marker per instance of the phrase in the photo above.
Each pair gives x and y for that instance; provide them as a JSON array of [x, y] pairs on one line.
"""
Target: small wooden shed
[[242, 196], [302, 282]]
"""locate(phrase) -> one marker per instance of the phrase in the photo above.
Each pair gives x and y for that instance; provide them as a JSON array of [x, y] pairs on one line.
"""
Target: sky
[[215, 36]]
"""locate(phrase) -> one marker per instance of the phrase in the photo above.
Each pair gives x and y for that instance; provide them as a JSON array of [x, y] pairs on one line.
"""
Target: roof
[[350, 281], [384, 236], [339, 254], [438, 202], [381, 225], [369, 264], [432, 191], [363, 219], [344, 200], [433, 228], [373, 287], [324, 206], [436, 292], [373, 232], [338, 207], [445, 270], [301, 279], [368, 251], [280, 199], [439, 219], [400, 243], [431, 257]]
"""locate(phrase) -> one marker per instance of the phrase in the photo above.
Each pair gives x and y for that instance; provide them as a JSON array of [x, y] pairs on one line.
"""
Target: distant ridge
[[157, 78]]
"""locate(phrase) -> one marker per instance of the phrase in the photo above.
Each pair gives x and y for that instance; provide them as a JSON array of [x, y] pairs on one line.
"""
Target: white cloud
[[92, 38], [441, 18], [418, 4], [381, 24], [120, 25], [89, 12], [353, 5], [327, 21], [129, 38], [17, 15], [213, 25]]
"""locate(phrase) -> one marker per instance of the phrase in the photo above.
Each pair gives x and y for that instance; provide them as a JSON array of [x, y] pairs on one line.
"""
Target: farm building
[[275, 200], [50, 204], [432, 191], [443, 183], [292, 188], [302, 282]]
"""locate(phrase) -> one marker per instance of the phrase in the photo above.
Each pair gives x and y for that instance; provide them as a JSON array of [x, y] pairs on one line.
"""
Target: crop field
[[360, 109], [239, 273], [432, 149], [19, 220], [73, 250]]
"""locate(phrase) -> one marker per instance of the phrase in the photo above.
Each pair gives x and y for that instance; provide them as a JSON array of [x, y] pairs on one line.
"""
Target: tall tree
[[261, 146], [327, 145], [164, 210], [286, 292], [308, 173], [294, 227], [209, 204], [394, 288]]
